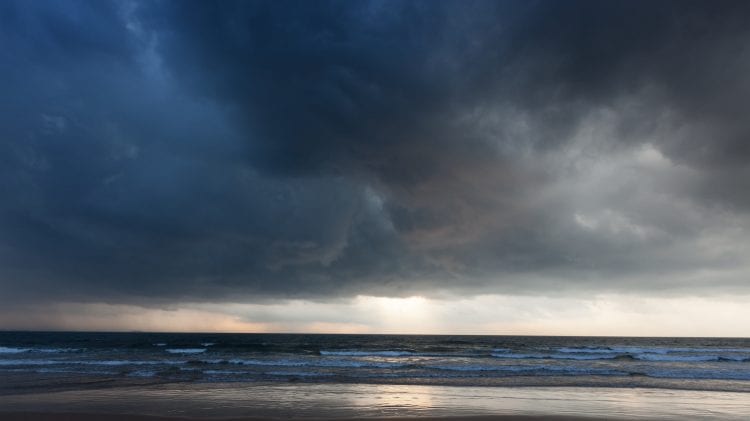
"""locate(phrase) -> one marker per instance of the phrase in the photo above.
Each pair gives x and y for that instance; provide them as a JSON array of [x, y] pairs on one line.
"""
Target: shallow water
[[280, 400]]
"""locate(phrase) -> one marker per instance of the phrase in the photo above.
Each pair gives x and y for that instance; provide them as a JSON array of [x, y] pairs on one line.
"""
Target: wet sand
[[46, 416], [273, 401]]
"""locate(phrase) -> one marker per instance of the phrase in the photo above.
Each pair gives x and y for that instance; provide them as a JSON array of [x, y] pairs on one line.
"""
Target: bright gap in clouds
[[602, 315]]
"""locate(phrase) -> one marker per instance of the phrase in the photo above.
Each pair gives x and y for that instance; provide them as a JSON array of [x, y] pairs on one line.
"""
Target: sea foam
[[10, 350], [186, 350], [368, 353]]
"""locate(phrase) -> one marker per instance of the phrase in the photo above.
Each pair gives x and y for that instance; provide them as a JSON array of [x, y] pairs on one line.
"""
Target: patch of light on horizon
[[599, 315]]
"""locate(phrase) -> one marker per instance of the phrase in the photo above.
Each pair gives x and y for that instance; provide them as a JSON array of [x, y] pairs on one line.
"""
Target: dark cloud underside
[[191, 151]]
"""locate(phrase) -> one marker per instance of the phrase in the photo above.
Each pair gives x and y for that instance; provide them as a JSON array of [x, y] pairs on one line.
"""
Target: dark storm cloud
[[188, 151]]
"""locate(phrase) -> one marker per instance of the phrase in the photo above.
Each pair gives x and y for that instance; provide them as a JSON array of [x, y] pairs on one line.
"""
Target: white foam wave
[[14, 350], [315, 363], [279, 363], [584, 357], [56, 350], [296, 373], [11, 350], [646, 356], [186, 350], [367, 353], [90, 362], [585, 349], [215, 361], [355, 364], [616, 350], [208, 343], [142, 373], [734, 358], [463, 367], [67, 370], [220, 372], [689, 358], [128, 362], [520, 356], [27, 362], [648, 350]]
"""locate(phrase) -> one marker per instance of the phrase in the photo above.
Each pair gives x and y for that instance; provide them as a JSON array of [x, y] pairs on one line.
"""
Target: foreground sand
[[51, 416], [274, 401]]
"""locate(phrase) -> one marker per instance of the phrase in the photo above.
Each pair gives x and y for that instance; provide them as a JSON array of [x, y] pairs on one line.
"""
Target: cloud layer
[[250, 151]]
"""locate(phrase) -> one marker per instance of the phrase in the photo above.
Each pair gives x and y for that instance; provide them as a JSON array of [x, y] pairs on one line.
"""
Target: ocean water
[[35, 361]]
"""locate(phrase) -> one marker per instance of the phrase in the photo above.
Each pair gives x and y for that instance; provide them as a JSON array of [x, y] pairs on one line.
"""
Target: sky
[[492, 167]]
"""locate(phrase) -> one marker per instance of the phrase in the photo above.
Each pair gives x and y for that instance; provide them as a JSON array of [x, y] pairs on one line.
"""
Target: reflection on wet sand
[[274, 400]]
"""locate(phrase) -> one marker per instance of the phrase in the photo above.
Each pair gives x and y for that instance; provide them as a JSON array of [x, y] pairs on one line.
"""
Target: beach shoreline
[[257, 402], [74, 416], [143, 376]]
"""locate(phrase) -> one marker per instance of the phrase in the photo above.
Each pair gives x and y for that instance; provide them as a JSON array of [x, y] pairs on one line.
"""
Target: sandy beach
[[52, 416], [350, 402]]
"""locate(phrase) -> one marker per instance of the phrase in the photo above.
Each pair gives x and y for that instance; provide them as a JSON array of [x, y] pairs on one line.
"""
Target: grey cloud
[[160, 152]]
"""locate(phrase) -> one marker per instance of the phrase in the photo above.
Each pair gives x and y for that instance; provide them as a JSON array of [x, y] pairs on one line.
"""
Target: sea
[[303, 365]]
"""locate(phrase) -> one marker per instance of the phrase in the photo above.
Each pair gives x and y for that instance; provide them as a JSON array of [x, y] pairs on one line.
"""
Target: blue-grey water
[[69, 360], [365, 376]]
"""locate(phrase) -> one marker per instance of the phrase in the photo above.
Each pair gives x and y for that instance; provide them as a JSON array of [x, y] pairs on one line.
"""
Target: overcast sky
[[556, 167]]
